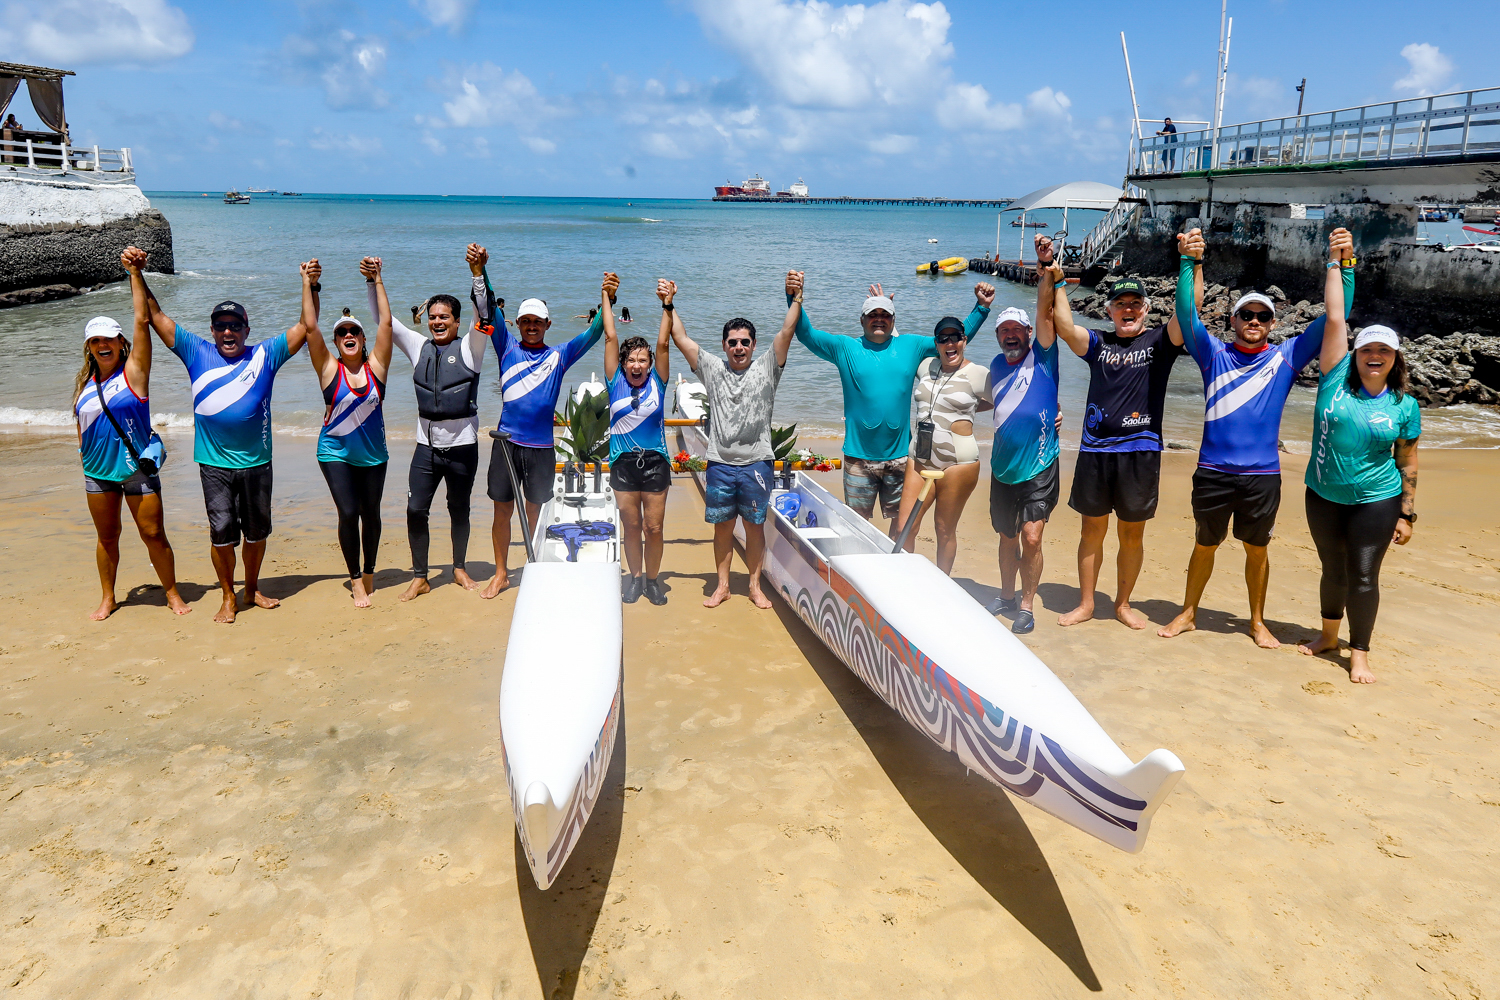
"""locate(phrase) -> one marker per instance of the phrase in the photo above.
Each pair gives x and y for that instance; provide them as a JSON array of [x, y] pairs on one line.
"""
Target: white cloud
[[68, 33], [1429, 69], [346, 65], [539, 145], [815, 55], [343, 143], [486, 95], [967, 106], [450, 14], [892, 145]]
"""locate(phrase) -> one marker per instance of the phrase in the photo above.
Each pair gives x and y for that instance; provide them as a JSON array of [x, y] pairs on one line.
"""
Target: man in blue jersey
[[231, 387], [1024, 458], [531, 377], [1245, 387]]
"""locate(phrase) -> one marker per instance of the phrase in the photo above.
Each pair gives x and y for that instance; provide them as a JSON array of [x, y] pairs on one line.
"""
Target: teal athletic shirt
[[1353, 435], [877, 381], [231, 399]]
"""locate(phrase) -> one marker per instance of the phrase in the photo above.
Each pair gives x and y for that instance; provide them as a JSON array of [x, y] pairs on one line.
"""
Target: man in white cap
[[877, 371], [1245, 387], [1024, 459], [531, 378]]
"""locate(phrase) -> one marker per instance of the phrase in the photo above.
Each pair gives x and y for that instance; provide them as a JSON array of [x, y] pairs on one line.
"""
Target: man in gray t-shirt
[[741, 464]]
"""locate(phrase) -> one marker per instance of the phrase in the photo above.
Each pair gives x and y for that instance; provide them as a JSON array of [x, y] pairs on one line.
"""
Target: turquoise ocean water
[[727, 259]]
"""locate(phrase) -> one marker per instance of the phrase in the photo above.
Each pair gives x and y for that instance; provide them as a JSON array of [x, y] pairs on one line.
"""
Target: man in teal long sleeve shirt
[[877, 371]]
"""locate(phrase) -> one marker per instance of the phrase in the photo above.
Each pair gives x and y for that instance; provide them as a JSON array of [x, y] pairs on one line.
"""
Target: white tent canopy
[[1078, 194]]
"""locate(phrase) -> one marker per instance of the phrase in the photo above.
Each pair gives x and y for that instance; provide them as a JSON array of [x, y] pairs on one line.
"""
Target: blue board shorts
[[732, 491]]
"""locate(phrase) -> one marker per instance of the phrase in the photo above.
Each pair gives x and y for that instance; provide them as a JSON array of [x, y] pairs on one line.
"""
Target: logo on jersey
[[1135, 420], [535, 376]]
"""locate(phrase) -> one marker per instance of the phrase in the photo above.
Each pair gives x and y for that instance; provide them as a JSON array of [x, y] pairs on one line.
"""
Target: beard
[[1014, 354]]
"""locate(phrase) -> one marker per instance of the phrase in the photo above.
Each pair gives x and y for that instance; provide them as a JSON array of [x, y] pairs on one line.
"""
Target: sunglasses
[[635, 397], [949, 338], [229, 326], [1264, 315], [736, 342]]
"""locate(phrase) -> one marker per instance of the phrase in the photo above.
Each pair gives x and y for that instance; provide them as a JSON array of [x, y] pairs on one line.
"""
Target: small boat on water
[[291, 194], [560, 694], [1029, 225], [235, 198], [958, 676], [948, 265], [260, 190]]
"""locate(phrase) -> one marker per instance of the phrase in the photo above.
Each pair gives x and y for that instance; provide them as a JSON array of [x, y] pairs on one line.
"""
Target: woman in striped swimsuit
[[351, 445], [949, 389]]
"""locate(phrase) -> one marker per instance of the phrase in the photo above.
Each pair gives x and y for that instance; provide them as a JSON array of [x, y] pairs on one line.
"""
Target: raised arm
[[611, 336], [138, 365], [984, 297], [783, 342], [664, 334], [380, 358], [1185, 327], [164, 325], [819, 342], [1336, 309], [667, 292], [579, 345], [1076, 337], [407, 340], [308, 322], [1046, 280]]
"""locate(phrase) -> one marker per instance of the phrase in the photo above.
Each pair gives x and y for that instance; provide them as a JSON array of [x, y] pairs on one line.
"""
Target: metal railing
[[64, 158], [1458, 124], [1110, 230]]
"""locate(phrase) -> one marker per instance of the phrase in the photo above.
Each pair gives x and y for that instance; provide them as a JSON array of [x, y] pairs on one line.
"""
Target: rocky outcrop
[[33, 257]]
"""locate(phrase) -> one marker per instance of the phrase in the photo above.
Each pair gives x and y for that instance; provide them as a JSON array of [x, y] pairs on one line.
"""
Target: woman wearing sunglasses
[[351, 445], [639, 470], [949, 389]]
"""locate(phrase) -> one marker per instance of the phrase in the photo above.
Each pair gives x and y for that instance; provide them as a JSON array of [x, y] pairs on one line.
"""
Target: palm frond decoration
[[586, 428], [783, 441]]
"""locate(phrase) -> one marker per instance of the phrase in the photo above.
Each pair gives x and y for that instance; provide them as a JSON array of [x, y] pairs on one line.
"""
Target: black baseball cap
[[1126, 286], [230, 309], [948, 323]]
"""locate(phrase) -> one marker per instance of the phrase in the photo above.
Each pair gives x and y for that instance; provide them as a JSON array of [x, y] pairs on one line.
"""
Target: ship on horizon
[[759, 187]]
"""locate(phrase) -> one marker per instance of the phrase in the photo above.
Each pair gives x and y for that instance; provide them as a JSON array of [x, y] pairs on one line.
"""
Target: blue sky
[[666, 99]]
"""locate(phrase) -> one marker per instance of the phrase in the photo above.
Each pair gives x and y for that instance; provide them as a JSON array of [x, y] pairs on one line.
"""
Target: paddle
[[931, 476], [515, 488]]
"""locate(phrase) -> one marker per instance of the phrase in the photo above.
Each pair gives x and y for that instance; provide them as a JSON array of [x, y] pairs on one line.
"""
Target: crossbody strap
[[124, 438]]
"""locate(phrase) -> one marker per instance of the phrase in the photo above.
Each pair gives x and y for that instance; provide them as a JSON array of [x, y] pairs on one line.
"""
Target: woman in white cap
[[121, 455], [351, 445], [949, 389], [1361, 479]]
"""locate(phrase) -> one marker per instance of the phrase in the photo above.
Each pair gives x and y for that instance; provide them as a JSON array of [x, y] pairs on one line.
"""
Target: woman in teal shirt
[[1361, 480]]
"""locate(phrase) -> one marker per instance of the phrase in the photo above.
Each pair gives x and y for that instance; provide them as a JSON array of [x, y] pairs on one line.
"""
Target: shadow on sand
[[975, 821], [560, 921]]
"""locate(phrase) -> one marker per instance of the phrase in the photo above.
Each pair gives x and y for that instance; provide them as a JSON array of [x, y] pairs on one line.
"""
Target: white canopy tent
[[1076, 194]]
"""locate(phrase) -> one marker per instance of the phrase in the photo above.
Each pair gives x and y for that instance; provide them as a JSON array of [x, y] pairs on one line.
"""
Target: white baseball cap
[[1249, 297], [1012, 313], [875, 302], [1378, 335], [533, 307], [101, 326]]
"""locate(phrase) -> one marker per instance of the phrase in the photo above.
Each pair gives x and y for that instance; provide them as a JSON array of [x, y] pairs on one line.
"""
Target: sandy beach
[[312, 803]]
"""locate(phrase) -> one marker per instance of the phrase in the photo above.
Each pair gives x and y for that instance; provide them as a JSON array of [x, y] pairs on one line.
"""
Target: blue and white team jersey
[[354, 430], [231, 399], [531, 379], [635, 415], [105, 456], [1025, 396], [1244, 393]]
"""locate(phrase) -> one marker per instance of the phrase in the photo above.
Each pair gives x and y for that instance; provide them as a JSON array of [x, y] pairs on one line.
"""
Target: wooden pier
[[751, 199]]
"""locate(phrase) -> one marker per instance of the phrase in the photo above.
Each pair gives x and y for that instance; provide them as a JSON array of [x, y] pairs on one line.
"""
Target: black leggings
[[357, 490], [1351, 541], [455, 467]]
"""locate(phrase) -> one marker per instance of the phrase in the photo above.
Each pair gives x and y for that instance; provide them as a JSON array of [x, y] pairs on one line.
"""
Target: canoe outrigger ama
[[560, 692], [928, 649]]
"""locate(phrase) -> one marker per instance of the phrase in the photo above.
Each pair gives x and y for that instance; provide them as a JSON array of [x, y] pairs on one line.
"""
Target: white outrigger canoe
[[560, 693], [951, 670]]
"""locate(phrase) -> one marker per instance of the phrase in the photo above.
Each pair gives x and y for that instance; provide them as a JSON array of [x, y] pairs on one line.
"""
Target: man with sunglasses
[[1245, 387], [231, 387], [877, 371]]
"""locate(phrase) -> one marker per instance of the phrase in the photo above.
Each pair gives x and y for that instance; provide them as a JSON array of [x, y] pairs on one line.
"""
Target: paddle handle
[[929, 476], [515, 488]]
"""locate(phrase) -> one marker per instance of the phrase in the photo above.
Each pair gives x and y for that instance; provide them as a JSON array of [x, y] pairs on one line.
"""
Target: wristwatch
[[316, 286], [1408, 518], [666, 307]]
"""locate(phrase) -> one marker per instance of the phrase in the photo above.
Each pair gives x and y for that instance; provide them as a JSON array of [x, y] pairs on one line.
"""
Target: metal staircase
[[1105, 238]]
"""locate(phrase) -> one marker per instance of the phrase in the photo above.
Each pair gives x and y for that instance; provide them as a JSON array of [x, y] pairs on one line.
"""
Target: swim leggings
[[456, 467], [357, 490], [1351, 541]]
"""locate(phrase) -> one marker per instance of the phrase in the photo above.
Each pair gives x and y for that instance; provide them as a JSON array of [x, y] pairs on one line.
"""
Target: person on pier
[[1245, 387]]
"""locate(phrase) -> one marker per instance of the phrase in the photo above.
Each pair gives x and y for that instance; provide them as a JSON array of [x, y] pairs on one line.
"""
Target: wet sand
[[311, 802]]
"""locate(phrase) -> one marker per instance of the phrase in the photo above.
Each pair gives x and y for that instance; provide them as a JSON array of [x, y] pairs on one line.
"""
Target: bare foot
[[262, 601], [1321, 644], [227, 611], [759, 600], [1186, 621], [1082, 613], [106, 608], [419, 586], [1130, 616], [361, 596], [176, 603], [499, 582], [1359, 667], [1263, 637], [718, 597], [368, 579], [464, 580]]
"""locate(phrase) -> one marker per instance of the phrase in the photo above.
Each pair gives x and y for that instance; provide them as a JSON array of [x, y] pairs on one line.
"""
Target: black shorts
[[138, 485], [535, 468], [238, 502], [1015, 504], [640, 471], [1253, 500], [1125, 482]]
